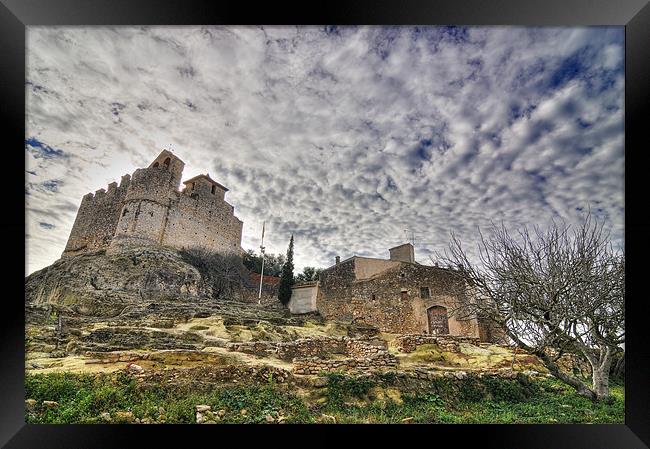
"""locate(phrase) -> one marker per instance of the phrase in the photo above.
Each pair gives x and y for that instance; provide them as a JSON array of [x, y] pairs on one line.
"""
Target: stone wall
[[365, 348], [253, 347], [314, 354], [97, 219], [392, 300], [311, 347], [148, 208], [314, 365], [409, 343]]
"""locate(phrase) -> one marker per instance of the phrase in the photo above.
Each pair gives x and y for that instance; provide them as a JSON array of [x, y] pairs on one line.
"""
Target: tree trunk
[[600, 381], [600, 376], [555, 370]]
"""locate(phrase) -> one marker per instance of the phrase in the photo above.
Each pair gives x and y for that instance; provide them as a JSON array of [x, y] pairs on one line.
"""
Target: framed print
[[352, 219]]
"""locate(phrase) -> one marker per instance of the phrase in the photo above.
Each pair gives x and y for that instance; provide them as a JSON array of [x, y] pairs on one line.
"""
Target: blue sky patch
[[42, 150]]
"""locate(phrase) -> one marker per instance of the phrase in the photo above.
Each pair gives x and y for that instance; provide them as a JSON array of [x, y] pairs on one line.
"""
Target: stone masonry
[[409, 343], [398, 295], [148, 208], [313, 355]]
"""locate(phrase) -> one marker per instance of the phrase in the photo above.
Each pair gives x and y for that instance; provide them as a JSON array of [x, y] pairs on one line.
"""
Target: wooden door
[[438, 321]]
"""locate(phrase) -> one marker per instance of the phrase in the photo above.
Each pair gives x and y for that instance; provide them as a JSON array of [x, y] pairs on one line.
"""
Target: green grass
[[83, 398]]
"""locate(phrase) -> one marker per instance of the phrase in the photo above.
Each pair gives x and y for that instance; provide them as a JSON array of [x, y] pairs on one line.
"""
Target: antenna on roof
[[412, 239]]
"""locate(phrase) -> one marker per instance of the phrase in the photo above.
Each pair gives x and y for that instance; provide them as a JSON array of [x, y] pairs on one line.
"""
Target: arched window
[[167, 161], [156, 165]]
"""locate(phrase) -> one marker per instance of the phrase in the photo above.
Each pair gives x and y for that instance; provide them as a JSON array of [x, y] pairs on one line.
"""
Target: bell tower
[[166, 160]]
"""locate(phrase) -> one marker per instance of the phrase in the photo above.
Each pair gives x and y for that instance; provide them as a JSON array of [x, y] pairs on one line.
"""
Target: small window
[[424, 292], [214, 189], [192, 186], [373, 297], [405, 295], [167, 162], [156, 165], [124, 211]]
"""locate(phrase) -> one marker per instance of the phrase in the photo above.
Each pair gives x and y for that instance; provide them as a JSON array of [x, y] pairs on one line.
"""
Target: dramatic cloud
[[344, 137]]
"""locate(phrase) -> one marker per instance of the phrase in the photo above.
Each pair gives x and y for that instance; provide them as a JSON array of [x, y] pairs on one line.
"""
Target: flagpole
[[259, 297]]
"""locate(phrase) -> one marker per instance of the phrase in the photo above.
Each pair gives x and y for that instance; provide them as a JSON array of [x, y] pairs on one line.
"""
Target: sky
[[353, 139]]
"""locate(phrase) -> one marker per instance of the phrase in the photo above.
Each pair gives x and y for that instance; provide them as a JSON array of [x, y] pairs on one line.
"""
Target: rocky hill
[[101, 284], [150, 314]]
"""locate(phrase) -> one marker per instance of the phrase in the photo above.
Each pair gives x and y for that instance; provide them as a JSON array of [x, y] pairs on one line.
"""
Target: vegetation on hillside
[[223, 274], [85, 398], [286, 278], [308, 274], [272, 263]]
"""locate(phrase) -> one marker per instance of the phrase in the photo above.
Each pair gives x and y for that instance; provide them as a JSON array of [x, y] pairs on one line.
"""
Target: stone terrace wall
[[362, 353], [311, 347], [409, 343], [365, 348], [314, 365], [254, 347]]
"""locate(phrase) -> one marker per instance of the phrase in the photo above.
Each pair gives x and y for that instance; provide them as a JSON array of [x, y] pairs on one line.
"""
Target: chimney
[[338, 260], [403, 253]]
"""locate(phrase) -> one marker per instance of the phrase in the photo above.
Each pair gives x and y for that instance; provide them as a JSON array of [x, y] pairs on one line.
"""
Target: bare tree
[[551, 292]]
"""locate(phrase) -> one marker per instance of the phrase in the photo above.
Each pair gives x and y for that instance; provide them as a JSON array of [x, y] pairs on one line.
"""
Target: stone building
[[148, 208], [396, 295]]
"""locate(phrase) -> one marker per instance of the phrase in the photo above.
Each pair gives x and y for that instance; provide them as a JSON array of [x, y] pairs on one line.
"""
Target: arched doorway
[[438, 320]]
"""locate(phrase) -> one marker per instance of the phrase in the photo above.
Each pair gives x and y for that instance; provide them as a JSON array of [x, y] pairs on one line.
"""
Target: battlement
[[112, 189], [148, 208]]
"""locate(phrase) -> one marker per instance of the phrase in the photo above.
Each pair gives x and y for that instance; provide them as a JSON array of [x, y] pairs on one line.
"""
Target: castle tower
[[146, 207], [167, 161], [203, 185]]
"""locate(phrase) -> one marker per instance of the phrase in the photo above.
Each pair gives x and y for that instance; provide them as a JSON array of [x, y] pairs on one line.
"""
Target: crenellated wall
[[148, 208], [97, 219]]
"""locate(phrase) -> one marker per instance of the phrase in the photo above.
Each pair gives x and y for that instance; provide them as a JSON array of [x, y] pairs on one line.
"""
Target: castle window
[[214, 189], [167, 162], [192, 186], [424, 292], [156, 165], [405, 295], [124, 211], [373, 297]]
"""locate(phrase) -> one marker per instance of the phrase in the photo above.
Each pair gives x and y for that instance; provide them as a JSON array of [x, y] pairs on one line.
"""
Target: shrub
[[223, 275], [341, 386]]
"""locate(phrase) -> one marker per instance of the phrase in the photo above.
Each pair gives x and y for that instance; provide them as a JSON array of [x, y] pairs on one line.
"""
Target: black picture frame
[[16, 15]]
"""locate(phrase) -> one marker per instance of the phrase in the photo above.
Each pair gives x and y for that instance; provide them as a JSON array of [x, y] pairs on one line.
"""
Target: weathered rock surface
[[103, 284]]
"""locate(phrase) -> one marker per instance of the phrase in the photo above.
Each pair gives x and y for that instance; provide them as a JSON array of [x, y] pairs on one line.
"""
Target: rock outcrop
[[101, 284]]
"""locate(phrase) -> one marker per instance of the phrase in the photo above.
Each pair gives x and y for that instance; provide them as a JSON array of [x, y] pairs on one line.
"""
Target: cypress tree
[[286, 280]]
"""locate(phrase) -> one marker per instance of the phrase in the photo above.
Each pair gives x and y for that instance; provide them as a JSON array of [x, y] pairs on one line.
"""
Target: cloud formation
[[343, 136]]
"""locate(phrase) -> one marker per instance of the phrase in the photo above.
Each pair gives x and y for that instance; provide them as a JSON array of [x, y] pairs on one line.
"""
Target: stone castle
[[148, 208]]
